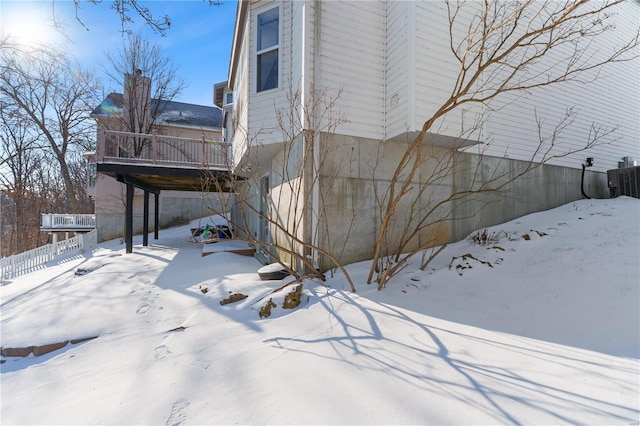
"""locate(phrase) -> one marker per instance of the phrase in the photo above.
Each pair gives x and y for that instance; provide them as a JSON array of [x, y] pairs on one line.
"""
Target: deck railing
[[68, 221], [159, 149], [32, 260]]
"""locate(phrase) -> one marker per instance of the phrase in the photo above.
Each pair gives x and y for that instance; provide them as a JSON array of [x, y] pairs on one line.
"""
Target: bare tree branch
[[128, 10], [40, 84], [498, 51]]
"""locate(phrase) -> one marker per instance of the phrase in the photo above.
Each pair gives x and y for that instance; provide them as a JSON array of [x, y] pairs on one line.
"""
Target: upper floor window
[[268, 49]]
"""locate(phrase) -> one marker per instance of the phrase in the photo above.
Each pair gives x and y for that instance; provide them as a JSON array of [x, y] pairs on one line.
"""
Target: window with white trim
[[268, 47]]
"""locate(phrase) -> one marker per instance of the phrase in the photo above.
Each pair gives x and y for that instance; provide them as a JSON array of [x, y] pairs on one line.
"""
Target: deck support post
[[156, 216], [145, 220], [128, 219], [132, 182]]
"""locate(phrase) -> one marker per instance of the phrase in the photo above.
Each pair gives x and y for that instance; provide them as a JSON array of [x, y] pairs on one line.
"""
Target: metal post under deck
[[128, 219], [145, 220], [156, 216]]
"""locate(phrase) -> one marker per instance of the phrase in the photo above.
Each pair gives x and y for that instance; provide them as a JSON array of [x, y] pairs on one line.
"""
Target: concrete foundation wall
[[354, 184], [289, 201], [247, 223], [173, 210], [284, 203], [353, 196]]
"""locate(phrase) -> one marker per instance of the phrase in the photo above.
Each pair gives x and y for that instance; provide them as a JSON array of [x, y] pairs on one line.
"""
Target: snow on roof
[[172, 113], [110, 106]]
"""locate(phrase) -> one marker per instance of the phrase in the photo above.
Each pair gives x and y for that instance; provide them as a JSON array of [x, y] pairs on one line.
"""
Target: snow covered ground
[[548, 334]]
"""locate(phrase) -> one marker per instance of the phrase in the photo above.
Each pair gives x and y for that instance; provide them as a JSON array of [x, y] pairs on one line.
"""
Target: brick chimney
[[136, 102]]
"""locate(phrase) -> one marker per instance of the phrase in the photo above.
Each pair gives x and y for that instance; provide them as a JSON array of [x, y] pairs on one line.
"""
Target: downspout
[[315, 191], [584, 194], [307, 87], [584, 166]]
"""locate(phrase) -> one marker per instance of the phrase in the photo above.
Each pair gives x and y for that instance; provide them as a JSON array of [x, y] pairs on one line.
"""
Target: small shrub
[[235, 297], [484, 238], [265, 311], [292, 300]]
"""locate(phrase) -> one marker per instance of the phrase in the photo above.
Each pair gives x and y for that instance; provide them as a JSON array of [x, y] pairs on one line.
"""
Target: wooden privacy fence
[[32, 260], [158, 149]]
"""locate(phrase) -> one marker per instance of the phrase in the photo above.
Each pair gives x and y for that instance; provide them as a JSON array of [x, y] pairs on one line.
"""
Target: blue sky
[[199, 41]]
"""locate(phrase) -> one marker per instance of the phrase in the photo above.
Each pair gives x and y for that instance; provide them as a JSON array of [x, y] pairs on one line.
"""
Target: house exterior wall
[[263, 105], [248, 194], [434, 67], [351, 211], [256, 113], [264, 143], [392, 64], [240, 111], [352, 61], [606, 98], [394, 72], [287, 202], [400, 69], [301, 38]]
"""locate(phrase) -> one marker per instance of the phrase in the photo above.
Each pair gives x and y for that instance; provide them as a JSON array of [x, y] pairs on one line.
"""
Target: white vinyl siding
[[418, 43], [241, 101], [609, 98], [298, 41], [352, 60], [392, 63], [436, 68], [262, 120], [399, 66]]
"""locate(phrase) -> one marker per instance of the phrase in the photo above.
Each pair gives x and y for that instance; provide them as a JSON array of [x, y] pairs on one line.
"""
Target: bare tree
[[498, 50], [151, 82], [55, 96], [20, 159], [283, 208], [127, 10]]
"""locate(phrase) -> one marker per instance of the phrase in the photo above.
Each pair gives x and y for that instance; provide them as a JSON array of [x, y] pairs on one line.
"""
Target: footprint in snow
[[178, 416], [142, 308], [146, 302], [136, 288], [203, 363], [161, 352]]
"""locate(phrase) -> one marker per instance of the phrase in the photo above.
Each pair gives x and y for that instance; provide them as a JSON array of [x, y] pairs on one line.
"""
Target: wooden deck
[[154, 162], [155, 149], [161, 162]]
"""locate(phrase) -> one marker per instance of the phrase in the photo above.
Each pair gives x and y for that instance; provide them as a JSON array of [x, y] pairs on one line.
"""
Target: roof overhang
[[238, 34], [218, 93]]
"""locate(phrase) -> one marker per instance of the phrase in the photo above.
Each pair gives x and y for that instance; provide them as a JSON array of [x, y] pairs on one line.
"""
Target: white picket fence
[[31, 260]]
